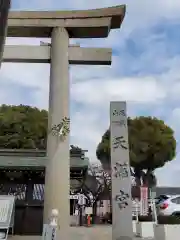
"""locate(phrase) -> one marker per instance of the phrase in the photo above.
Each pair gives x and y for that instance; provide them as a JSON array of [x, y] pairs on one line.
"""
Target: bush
[[169, 220], [161, 219], [145, 218]]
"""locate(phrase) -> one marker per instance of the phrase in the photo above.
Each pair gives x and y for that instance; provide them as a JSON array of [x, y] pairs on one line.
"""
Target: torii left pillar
[[4, 10], [57, 171]]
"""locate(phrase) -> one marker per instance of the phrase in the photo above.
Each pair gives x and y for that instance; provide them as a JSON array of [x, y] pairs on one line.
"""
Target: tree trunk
[[138, 181], [137, 175], [145, 179], [150, 179]]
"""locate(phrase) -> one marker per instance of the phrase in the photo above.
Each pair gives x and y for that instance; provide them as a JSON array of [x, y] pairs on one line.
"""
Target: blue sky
[[144, 72]]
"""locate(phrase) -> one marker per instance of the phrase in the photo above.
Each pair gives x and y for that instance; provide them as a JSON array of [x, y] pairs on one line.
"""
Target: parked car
[[161, 198], [167, 205]]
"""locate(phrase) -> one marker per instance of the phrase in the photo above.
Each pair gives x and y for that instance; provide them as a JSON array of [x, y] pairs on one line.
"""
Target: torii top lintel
[[80, 24]]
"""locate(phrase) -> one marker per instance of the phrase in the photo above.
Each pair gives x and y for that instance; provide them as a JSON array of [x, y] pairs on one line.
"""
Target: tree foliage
[[151, 144], [23, 127]]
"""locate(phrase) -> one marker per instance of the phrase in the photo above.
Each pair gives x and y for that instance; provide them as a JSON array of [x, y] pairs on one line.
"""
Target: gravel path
[[81, 233]]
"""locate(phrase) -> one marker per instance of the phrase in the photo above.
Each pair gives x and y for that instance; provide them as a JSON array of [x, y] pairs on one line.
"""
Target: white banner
[[49, 232], [144, 206], [81, 199], [75, 197], [88, 210]]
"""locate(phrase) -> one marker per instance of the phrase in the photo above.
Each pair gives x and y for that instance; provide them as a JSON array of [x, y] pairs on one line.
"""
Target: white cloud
[[94, 87], [172, 168], [175, 115], [137, 90], [85, 130]]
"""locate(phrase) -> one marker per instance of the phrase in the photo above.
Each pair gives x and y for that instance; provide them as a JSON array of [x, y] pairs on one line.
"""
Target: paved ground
[[80, 233]]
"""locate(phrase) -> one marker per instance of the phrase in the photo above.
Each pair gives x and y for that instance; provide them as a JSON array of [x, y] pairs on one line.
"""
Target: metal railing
[[137, 209]]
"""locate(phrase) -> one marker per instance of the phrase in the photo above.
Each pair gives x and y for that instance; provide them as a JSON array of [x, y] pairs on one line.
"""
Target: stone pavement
[[81, 233]]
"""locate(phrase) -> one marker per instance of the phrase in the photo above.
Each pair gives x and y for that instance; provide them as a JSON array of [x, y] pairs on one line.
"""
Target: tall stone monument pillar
[[57, 175], [121, 178]]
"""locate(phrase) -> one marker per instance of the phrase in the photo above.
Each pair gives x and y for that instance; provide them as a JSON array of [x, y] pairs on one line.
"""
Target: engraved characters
[[120, 170], [122, 199], [119, 142]]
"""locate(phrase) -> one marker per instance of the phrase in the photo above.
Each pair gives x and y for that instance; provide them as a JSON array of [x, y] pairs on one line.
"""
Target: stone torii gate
[[4, 9], [60, 26]]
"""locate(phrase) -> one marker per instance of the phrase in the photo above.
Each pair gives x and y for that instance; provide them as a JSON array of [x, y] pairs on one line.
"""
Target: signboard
[[121, 178], [88, 210], [4, 208], [152, 193], [7, 210], [144, 206], [76, 212], [49, 232]]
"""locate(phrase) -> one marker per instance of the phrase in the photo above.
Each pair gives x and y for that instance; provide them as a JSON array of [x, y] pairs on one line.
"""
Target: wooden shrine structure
[[22, 174]]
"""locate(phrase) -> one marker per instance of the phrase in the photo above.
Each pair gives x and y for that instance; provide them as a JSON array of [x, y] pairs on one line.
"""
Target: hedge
[[161, 219]]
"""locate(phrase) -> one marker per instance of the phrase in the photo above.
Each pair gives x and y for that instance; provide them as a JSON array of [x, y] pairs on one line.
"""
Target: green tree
[[151, 144], [23, 127]]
